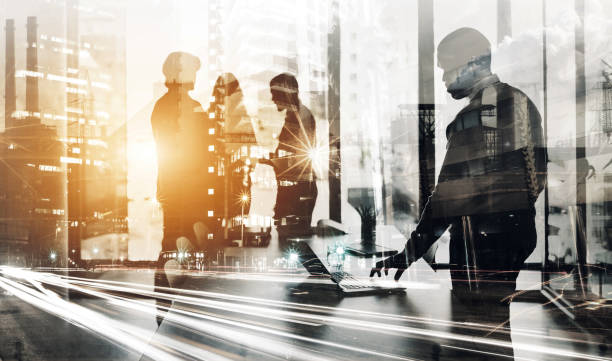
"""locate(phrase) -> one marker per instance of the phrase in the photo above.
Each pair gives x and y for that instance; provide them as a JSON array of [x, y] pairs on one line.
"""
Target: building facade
[[68, 94]]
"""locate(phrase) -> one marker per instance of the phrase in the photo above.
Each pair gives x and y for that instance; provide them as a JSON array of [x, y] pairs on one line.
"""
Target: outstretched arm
[[429, 229]]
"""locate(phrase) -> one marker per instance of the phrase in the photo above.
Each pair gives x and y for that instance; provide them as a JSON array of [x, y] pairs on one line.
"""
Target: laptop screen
[[309, 259]]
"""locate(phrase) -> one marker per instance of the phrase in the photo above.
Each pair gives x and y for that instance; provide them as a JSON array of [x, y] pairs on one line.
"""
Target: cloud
[[521, 56]]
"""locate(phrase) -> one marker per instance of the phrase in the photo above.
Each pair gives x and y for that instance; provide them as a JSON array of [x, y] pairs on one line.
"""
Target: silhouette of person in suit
[[180, 128], [292, 161], [238, 133], [492, 174]]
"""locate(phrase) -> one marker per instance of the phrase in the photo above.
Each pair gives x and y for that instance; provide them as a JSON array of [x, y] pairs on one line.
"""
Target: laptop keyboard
[[347, 281]]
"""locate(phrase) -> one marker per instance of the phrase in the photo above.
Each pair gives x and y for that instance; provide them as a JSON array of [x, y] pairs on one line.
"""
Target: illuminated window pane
[[211, 148], [211, 191], [211, 131], [211, 213], [211, 169], [210, 236]]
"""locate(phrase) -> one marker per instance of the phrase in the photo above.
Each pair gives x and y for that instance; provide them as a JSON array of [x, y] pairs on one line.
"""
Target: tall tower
[[75, 105], [216, 14], [504, 20], [32, 67], [427, 108], [9, 75], [333, 113], [72, 56]]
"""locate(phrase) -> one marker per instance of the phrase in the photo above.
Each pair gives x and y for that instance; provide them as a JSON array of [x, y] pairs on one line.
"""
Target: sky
[[154, 30]]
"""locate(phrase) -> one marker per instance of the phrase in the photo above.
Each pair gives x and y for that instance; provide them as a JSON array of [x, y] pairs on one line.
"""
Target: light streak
[[238, 329], [284, 304], [82, 317], [227, 333]]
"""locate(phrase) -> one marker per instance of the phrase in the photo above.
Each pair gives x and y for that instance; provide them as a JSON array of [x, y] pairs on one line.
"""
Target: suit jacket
[[180, 128], [296, 139], [493, 172]]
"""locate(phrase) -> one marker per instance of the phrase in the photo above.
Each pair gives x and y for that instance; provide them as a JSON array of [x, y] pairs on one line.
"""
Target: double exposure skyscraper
[[69, 97], [241, 42]]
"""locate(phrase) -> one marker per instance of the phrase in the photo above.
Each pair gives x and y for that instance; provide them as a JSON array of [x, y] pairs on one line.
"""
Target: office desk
[[251, 258]]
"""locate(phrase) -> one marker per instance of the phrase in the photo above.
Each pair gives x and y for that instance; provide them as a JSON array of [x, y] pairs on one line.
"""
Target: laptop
[[346, 282]]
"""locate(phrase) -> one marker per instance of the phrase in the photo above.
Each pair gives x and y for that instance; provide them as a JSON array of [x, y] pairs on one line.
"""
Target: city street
[[110, 315]]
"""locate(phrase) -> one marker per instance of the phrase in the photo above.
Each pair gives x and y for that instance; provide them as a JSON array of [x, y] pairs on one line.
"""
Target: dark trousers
[[180, 216], [296, 200], [487, 253], [479, 317]]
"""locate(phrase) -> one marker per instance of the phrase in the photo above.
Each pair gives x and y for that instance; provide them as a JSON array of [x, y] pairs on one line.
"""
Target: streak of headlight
[[208, 324], [352, 312], [250, 340], [223, 306], [39, 287], [366, 326], [267, 302], [386, 328], [309, 307], [83, 318], [369, 326], [122, 326], [235, 336]]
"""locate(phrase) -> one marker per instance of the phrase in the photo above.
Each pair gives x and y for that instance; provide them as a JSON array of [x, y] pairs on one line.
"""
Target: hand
[[397, 261], [266, 162]]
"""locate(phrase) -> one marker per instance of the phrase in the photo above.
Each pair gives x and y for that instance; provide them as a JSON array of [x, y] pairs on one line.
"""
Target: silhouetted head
[[465, 57], [180, 70], [285, 92], [226, 86]]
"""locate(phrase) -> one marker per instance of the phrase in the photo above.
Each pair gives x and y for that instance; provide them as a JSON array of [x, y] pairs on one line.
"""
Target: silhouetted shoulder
[[165, 114], [196, 106]]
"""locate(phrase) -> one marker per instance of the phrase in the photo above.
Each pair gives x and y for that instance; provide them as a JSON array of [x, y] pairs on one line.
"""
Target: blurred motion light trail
[[211, 315]]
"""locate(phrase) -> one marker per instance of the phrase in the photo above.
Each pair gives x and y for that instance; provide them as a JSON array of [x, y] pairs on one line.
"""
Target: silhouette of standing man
[[180, 129], [297, 187], [493, 172]]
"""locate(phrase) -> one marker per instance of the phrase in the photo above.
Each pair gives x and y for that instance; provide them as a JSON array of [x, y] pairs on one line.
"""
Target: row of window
[[59, 212]]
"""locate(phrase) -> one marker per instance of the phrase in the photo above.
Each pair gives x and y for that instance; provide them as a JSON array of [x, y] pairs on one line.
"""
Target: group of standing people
[[181, 128], [492, 174]]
